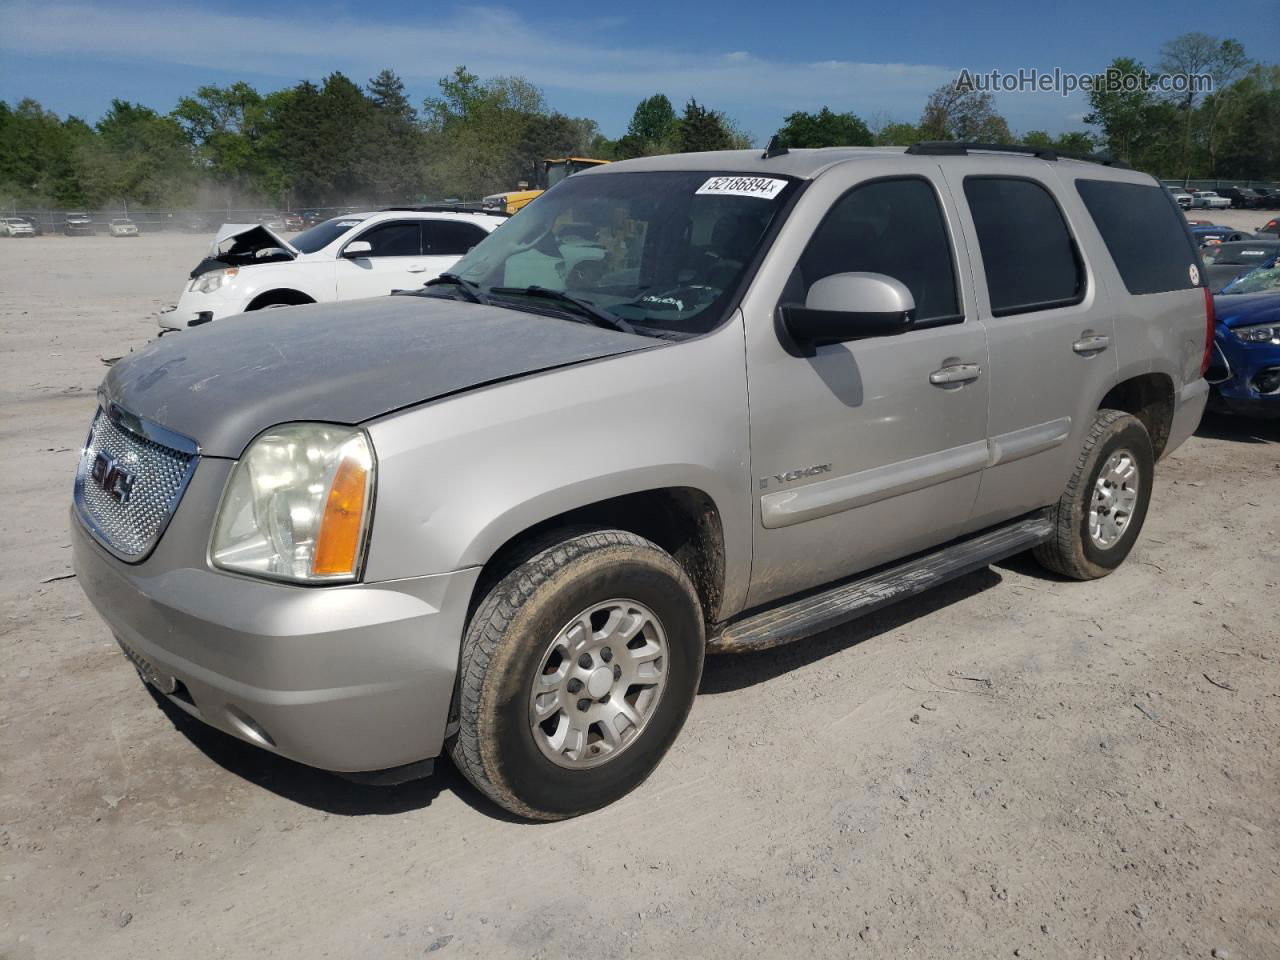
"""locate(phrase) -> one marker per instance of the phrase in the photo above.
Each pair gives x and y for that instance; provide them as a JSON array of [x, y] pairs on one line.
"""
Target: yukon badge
[[791, 475]]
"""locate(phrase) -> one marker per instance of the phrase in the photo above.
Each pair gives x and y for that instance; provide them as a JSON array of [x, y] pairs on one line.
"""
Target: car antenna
[[774, 149]]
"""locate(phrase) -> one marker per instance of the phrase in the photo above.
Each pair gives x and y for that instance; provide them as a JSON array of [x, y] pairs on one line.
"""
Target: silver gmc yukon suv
[[677, 406]]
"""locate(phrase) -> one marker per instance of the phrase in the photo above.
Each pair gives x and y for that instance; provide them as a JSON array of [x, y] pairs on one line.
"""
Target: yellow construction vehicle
[[546, 175]]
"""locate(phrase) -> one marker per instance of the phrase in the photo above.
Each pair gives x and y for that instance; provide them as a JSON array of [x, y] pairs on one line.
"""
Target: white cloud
[[490, 41]]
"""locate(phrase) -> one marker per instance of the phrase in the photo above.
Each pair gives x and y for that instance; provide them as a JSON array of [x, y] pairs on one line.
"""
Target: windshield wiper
[[471, 290], [593, 314]]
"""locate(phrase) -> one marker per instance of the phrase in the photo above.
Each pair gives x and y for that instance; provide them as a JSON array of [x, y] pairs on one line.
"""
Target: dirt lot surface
[[1011, 766]]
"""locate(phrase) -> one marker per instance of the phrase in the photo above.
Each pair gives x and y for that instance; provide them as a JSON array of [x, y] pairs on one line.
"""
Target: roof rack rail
[[955, 148], [449, 208]]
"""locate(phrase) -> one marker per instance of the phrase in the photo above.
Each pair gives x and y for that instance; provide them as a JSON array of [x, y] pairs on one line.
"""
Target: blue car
[[1246, 368]]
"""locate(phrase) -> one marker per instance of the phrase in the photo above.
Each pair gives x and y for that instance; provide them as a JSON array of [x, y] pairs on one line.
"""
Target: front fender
[[461, 476]]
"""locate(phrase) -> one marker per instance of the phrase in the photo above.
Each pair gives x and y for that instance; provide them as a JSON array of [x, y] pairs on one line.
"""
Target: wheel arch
[[684, 521], [276, 296], [1150, 398]]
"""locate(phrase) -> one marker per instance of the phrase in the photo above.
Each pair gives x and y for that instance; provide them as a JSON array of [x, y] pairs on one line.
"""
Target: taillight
[[1210, 321]]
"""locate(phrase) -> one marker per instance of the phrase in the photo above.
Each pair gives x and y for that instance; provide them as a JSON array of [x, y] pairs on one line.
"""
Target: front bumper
[[1244, 363], [351, 679], [195, 309]]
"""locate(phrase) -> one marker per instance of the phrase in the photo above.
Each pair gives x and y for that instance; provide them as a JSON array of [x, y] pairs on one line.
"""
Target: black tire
[[1071, 551], [502, 652]]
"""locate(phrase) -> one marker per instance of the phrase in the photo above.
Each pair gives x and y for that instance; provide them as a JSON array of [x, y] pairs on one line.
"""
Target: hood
[[225, 383], [243, 245], [1246, 309]]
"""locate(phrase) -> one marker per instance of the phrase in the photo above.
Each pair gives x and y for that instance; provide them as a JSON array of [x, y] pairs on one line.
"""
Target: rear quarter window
[[1145, 235]]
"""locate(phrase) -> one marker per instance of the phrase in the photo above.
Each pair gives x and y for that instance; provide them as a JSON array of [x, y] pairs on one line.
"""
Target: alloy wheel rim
[[598, 684], [1115, 497]]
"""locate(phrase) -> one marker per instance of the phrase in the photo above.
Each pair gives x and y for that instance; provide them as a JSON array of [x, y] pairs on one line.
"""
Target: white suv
[[249, 267]]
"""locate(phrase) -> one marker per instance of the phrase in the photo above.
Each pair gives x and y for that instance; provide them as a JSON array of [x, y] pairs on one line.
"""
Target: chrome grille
[[128, 484]]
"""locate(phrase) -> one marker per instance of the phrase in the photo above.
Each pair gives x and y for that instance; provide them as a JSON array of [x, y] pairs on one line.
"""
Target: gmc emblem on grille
[[112, 477]]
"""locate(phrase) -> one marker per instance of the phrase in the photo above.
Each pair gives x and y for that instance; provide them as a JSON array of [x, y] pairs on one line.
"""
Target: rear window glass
[[1143, 232], [1028, 255]]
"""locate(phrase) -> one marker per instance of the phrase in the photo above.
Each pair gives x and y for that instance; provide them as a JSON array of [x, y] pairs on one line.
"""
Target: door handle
[[1094, 343], [417, 270], [955, 373]]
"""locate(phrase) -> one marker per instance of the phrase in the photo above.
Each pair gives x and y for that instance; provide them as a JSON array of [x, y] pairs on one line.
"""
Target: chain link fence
[[71, 221]]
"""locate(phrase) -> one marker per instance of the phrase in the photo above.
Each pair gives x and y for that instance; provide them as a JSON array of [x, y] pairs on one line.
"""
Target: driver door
[[396, 261], [865, 451]]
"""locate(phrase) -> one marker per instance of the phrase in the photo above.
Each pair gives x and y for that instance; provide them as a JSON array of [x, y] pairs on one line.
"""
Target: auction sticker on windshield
[[766, 188]]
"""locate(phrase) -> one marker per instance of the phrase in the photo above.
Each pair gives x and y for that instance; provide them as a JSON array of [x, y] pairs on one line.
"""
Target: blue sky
[[755, 61]]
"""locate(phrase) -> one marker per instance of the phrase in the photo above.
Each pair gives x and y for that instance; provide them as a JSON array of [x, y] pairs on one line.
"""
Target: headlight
[[1260, 333], [209, 282], [297, 505]]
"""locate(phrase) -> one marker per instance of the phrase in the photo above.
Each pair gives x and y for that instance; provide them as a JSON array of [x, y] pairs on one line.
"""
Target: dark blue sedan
[[1246, 368]]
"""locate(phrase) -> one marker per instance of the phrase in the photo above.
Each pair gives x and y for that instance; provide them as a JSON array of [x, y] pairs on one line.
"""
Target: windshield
[[662, 251], [323, 234], [1263, 279]]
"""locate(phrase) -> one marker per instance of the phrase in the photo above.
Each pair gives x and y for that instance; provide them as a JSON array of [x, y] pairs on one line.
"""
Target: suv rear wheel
[[1099, 516], [578, 670]]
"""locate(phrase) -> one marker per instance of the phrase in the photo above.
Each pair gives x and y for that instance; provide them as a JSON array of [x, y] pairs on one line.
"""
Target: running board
[[855, 598]]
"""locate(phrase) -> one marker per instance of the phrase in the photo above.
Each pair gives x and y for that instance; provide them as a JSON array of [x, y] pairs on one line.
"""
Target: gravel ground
[[1013, 765]]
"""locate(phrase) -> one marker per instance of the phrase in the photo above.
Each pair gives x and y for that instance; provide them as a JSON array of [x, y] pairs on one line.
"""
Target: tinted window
[[450, 238], [894, 227], [1027, 252], [1146, 236], [396, 239]]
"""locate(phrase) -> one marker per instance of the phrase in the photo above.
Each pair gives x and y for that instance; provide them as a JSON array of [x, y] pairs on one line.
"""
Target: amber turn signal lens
[[338, 545]]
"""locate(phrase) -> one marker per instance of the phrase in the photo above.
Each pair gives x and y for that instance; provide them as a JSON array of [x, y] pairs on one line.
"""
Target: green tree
[[653, 121], [138, 156], [700, 128], [899, 135], [955, 113], [825, 129], [386, 90], [1136, 127]]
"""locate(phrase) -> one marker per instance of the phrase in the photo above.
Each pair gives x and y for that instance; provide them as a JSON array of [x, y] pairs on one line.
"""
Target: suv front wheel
[[1099, 515], [578, 670]]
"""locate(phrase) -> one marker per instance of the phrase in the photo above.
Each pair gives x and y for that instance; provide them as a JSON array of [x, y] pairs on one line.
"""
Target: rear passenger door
[[396, 261], [1050, 331], [444, 242]]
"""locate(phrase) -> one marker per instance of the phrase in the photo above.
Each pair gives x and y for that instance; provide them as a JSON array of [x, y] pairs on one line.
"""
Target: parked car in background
[[509, 515], [293, 222], [250, 266], [1246, 370], [16, 227], [1270, 197], [311, 217], [1242, 198], [122, 227], [1215, 234], [272, 221], [1208, 200], [1223, 262], [36, 226], [1181, 196], [78, 225]]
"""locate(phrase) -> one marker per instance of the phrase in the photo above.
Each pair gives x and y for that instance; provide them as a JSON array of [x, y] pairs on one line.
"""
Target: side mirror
[[850, 306], [357, 248]]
